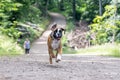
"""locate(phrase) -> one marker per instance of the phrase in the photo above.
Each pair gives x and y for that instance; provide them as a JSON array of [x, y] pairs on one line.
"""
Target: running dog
[[54, 43]]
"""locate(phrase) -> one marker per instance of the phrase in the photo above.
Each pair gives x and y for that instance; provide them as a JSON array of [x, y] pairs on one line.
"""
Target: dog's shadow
[[54, 66]]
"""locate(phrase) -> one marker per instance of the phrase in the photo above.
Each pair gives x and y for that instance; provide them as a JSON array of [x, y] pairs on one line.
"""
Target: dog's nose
[[59, 35]]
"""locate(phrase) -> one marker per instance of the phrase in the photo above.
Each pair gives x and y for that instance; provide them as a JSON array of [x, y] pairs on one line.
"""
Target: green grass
[[105, 50], [8, 46], [67, 50]]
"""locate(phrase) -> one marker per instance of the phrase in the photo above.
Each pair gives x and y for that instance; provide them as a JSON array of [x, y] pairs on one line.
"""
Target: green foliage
[[7, 7], [13, 12], [117, 38], [8, 46], [85, 10], [33, 33], [29, 12], [11, 32], [105, 26]]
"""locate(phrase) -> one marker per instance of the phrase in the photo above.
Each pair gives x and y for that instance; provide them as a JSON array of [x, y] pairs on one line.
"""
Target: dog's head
[[57, 32]]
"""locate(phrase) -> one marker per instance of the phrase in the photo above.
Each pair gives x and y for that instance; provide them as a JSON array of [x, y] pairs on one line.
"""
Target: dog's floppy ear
[[53, 27], [63, 30]]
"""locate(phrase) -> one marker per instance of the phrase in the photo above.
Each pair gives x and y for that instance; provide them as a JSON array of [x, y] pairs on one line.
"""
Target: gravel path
[[35, 66]]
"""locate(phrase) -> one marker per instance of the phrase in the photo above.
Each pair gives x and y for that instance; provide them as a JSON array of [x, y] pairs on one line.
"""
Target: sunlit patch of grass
[[67, 50], [9, 47], [115, 51], [104, 50], [107, 49]]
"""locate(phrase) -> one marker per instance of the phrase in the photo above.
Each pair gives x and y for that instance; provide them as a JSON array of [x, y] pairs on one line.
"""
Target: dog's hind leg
[[51, 55], [50, 59]]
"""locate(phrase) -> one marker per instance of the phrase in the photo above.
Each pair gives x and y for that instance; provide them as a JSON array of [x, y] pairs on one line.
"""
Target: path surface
[[72, 67]]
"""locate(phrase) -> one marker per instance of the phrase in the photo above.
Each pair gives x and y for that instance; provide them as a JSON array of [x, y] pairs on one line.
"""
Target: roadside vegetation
[[91, 24], [8, 46], [19, 19], [105, 28], [105, 50]]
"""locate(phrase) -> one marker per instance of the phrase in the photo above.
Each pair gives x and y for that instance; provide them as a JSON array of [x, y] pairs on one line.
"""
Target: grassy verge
[[67, 50], [105, 50], [8, 46]]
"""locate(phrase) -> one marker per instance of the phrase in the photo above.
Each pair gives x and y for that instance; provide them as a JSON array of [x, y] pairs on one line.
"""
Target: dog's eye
[[60, 31], [55, 31]]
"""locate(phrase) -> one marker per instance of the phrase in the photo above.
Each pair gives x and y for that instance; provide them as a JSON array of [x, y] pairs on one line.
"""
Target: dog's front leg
[[59, 54]]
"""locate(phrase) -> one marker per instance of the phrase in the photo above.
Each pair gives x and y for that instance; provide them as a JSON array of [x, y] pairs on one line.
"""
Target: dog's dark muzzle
[[58, 36]]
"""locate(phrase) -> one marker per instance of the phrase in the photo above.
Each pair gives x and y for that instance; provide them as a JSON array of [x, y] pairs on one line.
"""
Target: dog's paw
[[58, 60], [59, 57]]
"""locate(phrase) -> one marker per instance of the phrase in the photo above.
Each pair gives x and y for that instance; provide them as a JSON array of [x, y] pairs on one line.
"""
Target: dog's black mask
[[57, 34]]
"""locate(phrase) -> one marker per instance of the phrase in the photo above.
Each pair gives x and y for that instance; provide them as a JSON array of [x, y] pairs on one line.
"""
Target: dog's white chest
[[55, 44]]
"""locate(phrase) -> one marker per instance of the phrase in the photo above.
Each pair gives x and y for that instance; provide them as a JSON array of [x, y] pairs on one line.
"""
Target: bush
[[105, 27]]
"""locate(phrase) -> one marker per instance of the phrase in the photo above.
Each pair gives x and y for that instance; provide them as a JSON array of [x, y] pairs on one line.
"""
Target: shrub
[[105, 26]]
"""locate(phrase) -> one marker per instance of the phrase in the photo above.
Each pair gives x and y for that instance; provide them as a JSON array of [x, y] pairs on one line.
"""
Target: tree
[[46, 7], [100, 7], [7, 10], [105, 26], [74, 10], [61, 5]]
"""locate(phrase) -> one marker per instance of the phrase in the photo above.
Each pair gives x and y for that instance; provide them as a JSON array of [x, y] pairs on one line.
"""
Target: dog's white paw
[[59, 58]]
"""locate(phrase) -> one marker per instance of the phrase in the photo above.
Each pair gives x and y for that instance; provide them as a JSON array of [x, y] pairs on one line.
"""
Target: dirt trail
[[72, 67]]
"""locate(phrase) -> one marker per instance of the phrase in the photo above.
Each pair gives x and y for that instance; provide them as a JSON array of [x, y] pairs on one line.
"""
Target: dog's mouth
[[58, 38]]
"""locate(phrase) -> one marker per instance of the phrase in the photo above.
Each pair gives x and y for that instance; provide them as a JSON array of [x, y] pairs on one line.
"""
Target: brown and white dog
[[54, 43]]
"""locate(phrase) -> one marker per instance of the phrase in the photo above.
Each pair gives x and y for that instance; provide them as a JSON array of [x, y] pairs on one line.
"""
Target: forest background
[[20, 19]]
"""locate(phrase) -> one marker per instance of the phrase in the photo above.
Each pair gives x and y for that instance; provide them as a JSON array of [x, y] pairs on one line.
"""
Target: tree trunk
[[61, 6], [74, 10], [114, 19], [46, 8], [100, 7]]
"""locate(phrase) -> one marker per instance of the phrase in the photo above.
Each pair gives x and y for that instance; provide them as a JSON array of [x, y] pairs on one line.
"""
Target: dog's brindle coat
[[54, 43]]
